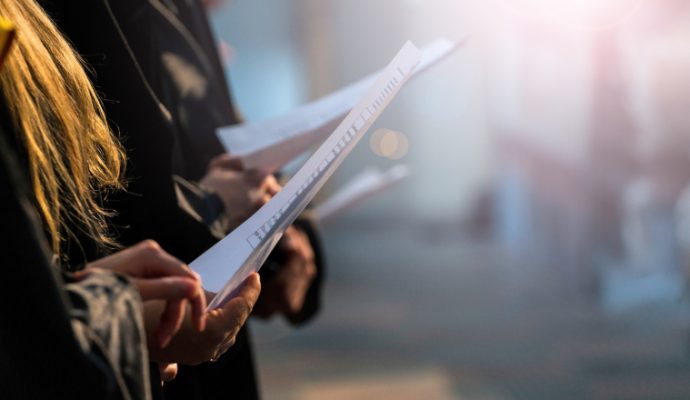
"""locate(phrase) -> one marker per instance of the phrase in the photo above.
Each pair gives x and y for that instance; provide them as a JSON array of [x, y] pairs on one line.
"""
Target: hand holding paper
[[225, 265]]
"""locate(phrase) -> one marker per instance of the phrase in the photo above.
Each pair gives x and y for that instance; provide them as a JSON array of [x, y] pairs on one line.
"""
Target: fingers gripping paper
[[227, 264]]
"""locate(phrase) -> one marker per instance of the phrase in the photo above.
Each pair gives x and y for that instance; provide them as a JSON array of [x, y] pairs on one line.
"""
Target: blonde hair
[[73, 157]]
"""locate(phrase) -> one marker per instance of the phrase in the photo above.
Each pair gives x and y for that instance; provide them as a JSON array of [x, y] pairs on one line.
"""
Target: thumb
[[241, 305]]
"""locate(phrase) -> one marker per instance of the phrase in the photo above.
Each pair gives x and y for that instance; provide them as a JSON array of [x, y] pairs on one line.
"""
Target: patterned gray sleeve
[[107, 320]]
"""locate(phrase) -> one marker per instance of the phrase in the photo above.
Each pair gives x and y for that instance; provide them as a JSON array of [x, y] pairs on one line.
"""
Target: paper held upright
[[227, 264], [270, 144]]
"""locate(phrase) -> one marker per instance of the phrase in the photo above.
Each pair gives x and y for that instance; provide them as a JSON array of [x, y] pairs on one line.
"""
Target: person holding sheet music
[[168, 208], [151, 199], [292, 277], [183, 68], [185, 37], [81, 333]]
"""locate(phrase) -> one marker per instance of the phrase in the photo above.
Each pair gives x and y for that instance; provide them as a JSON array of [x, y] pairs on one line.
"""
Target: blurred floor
[[428, 312]]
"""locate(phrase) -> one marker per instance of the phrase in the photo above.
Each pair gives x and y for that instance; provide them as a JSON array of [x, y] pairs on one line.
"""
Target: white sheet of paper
[[367, 184], [227, 264], [268, 145]]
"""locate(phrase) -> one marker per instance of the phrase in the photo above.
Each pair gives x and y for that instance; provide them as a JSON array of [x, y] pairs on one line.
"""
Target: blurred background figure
[[540, 249]]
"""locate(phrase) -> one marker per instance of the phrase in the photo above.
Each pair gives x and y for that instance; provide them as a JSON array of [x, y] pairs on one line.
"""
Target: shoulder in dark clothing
[[148, 209], [45, 350]]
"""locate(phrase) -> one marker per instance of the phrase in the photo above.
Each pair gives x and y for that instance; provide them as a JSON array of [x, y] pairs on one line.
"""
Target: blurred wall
[[579, 83], [268, 71]]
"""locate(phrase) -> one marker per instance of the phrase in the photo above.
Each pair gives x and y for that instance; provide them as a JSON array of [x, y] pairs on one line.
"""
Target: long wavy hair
[[73, 157]]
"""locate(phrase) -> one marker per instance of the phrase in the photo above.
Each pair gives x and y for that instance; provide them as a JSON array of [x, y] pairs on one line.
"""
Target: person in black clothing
[[180, 61], [80, 335], [168, 130], [150, 207], [51, 343]]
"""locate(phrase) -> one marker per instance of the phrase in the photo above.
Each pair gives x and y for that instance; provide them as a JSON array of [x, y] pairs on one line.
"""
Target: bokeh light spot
[[389, 144]]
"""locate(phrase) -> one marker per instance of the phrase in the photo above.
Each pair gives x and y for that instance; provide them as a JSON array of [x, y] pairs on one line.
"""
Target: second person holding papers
[[185, 51], [144, 99]]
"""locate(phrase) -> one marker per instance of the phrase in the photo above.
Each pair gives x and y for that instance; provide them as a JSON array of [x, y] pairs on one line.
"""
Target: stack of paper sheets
[[271, 144]]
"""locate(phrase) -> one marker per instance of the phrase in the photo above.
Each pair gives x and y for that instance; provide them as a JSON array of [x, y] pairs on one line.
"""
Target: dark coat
[[60, 340], [129, 45]]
